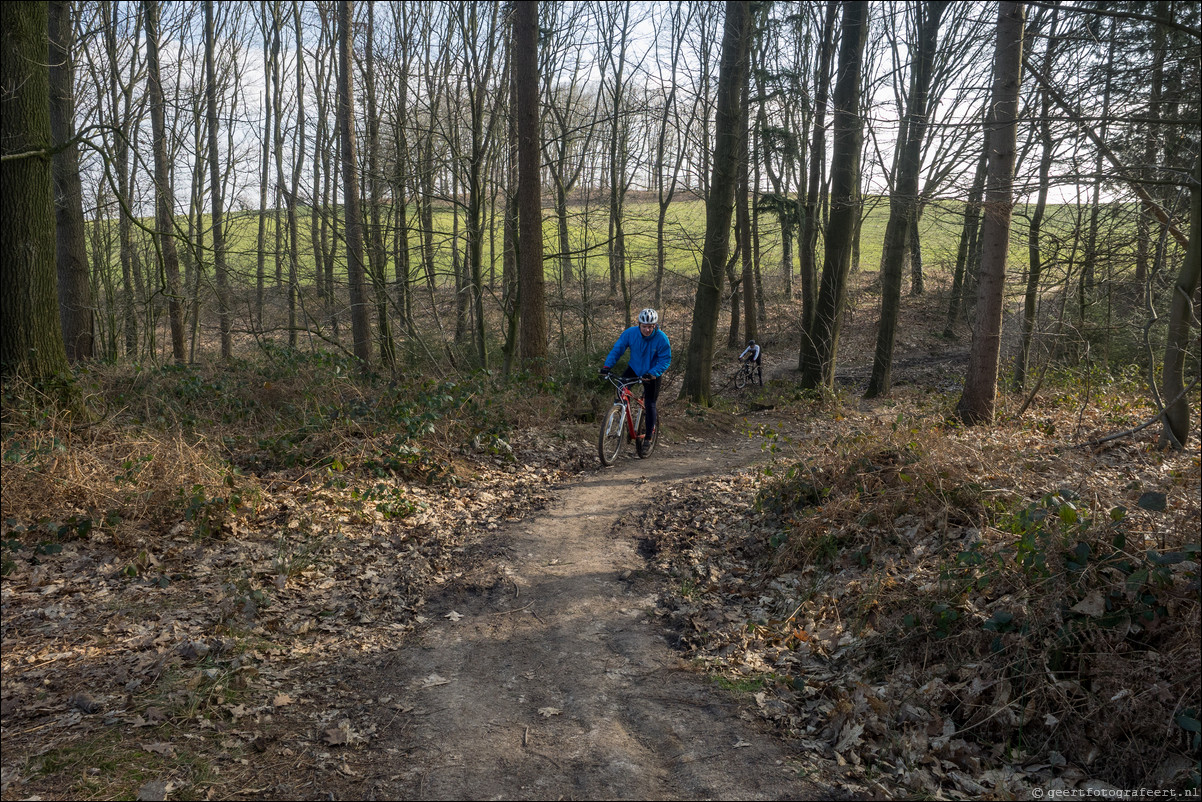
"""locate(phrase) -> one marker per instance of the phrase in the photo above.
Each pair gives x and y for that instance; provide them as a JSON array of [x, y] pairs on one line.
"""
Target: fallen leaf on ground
[[154, 791], [338, 736]]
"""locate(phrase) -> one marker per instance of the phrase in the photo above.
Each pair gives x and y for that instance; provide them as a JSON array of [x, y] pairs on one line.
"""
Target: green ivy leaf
[[1153, 501], [1168, 558], [1000, 621], [1187, 720]]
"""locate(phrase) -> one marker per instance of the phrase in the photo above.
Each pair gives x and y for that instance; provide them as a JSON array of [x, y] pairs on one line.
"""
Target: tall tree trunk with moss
[[31, 345], [1181, 322], [719, 205], [903, 202], [821, 344], [360, 325], [979, 398], [531, 297], [74, 288], [164, 192]]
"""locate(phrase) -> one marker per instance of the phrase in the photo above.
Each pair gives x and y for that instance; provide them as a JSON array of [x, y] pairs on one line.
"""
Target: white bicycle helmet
[[648, 316]]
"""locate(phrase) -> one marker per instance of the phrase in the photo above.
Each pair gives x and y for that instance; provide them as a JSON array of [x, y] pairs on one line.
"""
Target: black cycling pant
[[650, 397]]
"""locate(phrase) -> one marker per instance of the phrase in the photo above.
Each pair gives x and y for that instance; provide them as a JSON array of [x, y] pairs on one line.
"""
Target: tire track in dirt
[[544, 675]]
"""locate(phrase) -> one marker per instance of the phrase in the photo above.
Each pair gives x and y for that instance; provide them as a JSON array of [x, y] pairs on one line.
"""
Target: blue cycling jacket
[[647, 354]]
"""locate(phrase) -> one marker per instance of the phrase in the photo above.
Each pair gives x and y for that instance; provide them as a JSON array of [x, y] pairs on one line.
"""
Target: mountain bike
[[745, 374], [624, 422]]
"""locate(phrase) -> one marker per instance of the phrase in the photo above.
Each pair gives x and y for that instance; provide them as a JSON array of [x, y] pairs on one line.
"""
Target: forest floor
[[791, 598]]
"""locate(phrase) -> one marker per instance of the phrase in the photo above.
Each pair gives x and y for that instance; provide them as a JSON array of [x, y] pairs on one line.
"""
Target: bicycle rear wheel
[[613, 434]]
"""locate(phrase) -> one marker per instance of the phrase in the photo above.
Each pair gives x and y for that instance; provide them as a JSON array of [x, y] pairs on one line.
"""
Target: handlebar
[[619, 383]]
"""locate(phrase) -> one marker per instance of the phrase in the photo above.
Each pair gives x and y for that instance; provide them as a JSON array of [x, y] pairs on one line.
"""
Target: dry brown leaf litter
[[194, 651], [847, 596], [196, 645]]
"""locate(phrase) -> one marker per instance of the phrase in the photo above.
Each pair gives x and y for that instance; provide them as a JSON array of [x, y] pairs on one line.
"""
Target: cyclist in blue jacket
[[650, 356]]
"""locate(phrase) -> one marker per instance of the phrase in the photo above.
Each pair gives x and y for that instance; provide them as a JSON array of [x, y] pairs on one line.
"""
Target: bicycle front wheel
[[741, 378], [613, 434]]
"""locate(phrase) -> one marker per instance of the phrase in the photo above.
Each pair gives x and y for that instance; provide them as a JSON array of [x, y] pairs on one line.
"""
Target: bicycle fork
[[620, 421]]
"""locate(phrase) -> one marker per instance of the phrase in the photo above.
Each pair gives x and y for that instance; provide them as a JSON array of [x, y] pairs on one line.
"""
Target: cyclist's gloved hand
[[647, 377], [604, 371]]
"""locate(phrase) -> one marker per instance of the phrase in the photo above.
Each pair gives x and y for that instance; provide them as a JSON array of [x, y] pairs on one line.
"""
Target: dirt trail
[[543, 674]]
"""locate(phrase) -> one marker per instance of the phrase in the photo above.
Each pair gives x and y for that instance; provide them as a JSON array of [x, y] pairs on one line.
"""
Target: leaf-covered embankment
[[949, 611]]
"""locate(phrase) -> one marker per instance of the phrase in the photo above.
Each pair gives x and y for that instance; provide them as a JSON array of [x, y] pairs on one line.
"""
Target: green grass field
[[684, 230]]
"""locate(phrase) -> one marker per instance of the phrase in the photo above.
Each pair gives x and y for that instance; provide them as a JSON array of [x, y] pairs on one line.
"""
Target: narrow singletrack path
[[544, 674]]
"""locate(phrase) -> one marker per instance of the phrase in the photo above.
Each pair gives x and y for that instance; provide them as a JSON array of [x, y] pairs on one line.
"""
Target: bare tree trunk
[[164, 194], [121, 98], [74, 289], [403, 33], [317, 209], [277, 147], [618, 152], [376, 255], [298, 164], [917, 284], [219, 267], [360, 326], [735, 280], [458, 263], [820, 346], [743, 218], [270, 54], [1034, 251], [509, 229], [1089, 264], [903, 202], [481, 44], [194, 240], [1152, 144], [976, 405], [665, 185], [810, 223], [530, 220], [320, 209], [732, 74], [969, 234]]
